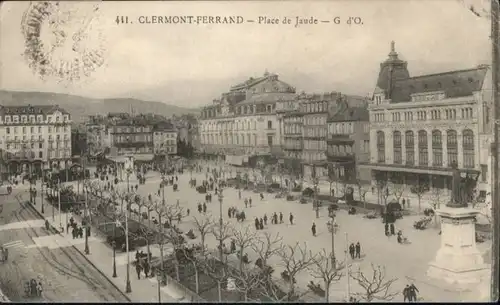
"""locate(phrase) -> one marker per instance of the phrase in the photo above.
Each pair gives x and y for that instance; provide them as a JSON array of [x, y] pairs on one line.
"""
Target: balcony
[[340, 157], [339, 139]]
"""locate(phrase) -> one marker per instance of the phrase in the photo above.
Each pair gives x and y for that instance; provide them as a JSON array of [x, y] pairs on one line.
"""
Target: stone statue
[[457, 189]]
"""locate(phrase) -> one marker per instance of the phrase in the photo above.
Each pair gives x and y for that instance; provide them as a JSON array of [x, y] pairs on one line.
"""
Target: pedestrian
[[146, 269], [80, 232], [261, 223], [404, 203], [74, 232], [250, 201], [188, 211], [352, 250], [413, 293], [199, 207], [257, 224], [265, 219], [179, 218], [386, 229], [291, 218], [138, 269], [261, 196], [229, 212], [358, 250], [204, 208], [313, 229], [275, 218], [246, 203], [406, 293], [281, 217], [239, 194], [392, 229]]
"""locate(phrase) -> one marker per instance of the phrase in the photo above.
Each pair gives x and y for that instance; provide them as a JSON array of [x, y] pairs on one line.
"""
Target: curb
[[52, 229]]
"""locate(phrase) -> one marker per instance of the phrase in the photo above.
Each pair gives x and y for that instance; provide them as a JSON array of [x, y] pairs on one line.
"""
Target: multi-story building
[[315, 109], [32, 134], [420, 126], [131, 136], [243, 123], [97, 134], [349, 144], [164, 139]]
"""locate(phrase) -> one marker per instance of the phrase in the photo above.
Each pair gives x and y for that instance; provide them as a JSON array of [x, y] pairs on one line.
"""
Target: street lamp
[[333, 229], [221, 199], [128, 287]]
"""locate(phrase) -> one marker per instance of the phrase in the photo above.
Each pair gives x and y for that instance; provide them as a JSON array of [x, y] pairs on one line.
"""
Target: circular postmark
[[63, 40]]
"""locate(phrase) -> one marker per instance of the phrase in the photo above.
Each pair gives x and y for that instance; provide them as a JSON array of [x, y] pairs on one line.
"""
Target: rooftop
[[31, 109], [350, 114], [453, 83]]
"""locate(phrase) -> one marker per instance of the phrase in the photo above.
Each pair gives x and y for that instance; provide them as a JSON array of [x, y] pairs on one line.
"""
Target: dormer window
[[471, 80], [454, 82], [440, 85], [425, 86]]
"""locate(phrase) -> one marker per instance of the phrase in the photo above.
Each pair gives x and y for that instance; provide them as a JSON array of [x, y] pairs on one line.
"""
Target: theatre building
[[421, 125]]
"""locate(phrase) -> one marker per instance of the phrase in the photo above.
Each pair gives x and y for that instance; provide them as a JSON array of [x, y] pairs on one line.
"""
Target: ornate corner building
[[243, 122], [421, 125], [34, 137]]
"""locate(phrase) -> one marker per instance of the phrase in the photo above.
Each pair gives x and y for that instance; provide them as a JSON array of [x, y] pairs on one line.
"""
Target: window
[[437, 148], [398, 157], [7, 130], [270, 140], [269, 124], [410, 147], [468, 148], [484, 172], [380, 147], [423, 152], [40, 154], [452, 147]]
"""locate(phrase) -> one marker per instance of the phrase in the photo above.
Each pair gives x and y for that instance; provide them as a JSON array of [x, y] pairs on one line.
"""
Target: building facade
[[243, 123], [349, 144], [165, 139], [315, 109], [420, 126], [131, 136], [33, 134]]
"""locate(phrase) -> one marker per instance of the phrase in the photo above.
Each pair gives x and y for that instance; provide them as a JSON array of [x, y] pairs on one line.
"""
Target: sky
[[192, 64]]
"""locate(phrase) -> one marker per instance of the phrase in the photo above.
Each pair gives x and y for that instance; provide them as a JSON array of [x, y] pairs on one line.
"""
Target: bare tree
[[267, 246], [437, 198], [203, 226], [375, 286], [215, 269], [398, 191], [294, 259], [325, 270], [243, 239], [247, 280], [362, 190], [419, 190], [222, 232]]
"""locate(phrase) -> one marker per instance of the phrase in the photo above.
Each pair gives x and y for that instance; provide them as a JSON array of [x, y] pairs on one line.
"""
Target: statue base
[[458, 261]]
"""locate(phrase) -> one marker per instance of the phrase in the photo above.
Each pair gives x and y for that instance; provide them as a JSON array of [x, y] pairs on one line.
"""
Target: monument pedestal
[[458, 261]]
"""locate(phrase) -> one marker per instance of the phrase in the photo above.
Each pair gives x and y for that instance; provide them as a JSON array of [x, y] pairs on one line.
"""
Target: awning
[[118, 159], [143, 157], [415, 170]]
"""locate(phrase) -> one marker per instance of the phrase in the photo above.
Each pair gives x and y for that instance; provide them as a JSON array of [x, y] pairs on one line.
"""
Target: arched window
[[410, 147], [452, 146], [468, 148], [398, 155], [437, 148], [423, 151], [380, 146]]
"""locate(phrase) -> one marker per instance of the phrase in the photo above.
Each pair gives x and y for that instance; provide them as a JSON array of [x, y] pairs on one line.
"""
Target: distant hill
[[81, 107]]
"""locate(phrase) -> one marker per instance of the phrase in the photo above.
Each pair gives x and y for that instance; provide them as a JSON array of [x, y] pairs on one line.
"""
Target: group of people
[[142, 264], [76, 231], [5, 254], [410, 293], [355, 250]]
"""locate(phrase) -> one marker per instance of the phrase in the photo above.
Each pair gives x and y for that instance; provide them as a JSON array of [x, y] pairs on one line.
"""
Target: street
[[64, 273], [401, 262]]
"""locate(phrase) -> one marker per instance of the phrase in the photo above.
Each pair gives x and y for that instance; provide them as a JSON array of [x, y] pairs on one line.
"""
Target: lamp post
[[128, 288], [41, 196], [221, 199], [114, 253], [333, 230], [316, 182]]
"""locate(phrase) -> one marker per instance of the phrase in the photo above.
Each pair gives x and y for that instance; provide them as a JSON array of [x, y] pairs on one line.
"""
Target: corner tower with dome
[[421, 125]]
